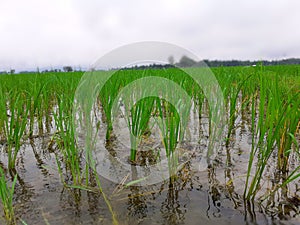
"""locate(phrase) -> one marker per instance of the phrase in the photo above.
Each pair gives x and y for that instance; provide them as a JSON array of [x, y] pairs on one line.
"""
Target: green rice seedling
[[6, 196], [14, 124], [265, 126], [253, 149], [288, 128], [169, 126], [107, 96], [172, 128], [234, 94], [274, 122], [66, 139], [64, 125], [138, 108], [137, 122], [3, 114], [36, 108]]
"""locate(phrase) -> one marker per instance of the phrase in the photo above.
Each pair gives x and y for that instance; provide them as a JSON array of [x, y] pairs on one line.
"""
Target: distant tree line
[[38, 70], [151, 66], [188, 62], [183, 62]]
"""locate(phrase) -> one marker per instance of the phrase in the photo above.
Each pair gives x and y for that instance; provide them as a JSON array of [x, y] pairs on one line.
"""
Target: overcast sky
[[40, 33]]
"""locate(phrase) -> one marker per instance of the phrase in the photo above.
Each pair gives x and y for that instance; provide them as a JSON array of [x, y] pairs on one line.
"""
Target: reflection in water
[[250, 216], [137, 207], [71, 198], [229, 184], [167, 202], [39, 161], [171, 209], [94, 203], [137, 204], [214, 195], [24, 194]]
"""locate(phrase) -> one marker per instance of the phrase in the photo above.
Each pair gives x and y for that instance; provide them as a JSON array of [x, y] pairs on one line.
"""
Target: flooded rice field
[[152, 162]]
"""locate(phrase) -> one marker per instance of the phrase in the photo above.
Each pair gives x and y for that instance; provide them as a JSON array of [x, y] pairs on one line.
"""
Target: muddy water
[[199, 198], [207, 196]]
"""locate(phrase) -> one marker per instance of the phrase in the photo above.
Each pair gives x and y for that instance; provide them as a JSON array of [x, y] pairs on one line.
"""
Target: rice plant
[[235, 91], [169, 126], [65, 138], [172, 125], [277, 118], [6, 196], [107, 96], [14, 121], [36, 95], [138, 123]]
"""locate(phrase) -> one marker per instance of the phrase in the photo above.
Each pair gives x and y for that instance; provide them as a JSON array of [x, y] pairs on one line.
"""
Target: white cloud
[[60, 32]]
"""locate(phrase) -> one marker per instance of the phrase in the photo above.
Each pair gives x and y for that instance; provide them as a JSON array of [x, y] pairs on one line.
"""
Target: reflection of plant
[[171, 210], [6, 195], [137, 203]]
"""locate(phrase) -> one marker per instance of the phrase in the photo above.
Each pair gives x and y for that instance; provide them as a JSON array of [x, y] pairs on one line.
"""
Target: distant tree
[[171, 60], [186, 62], [68, 68], [12, 71]]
